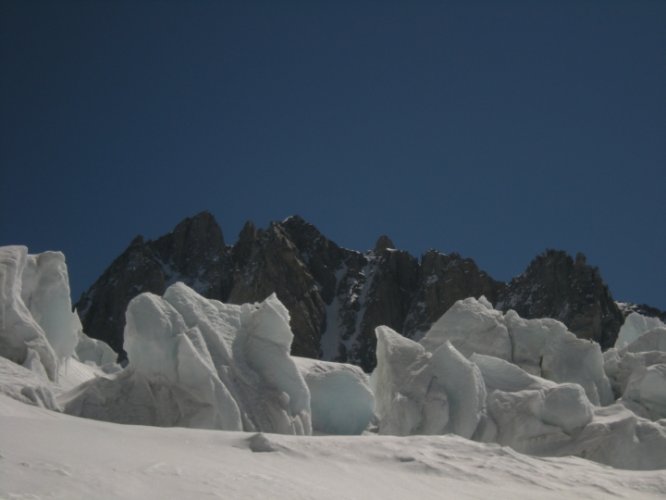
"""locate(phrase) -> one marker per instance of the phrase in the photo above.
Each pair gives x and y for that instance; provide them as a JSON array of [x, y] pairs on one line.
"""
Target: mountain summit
[[336, 296]]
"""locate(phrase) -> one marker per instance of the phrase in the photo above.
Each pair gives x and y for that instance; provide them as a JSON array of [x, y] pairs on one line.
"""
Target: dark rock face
[[557, 286], [336, 297], [443, 280], [194, 252], [273, 264], [393, 280]]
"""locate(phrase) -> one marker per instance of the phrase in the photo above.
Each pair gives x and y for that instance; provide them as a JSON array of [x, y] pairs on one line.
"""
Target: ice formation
[[637, 373], [532, 385], [199, 363], [634, 326], [37, 326], [195, 362], [421, 392], [542, 347], [645, 393], [340, 396], [471, 326], [95, 352], [25, 385]]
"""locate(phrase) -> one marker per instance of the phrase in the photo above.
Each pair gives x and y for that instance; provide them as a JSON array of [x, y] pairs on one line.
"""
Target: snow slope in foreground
[[47, 454]]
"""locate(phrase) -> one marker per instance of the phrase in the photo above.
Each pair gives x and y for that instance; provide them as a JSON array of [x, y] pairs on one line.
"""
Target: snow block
[[472, 326]]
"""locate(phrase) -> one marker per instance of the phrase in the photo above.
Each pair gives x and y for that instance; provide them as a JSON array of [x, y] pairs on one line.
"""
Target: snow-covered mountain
[[337, 297]]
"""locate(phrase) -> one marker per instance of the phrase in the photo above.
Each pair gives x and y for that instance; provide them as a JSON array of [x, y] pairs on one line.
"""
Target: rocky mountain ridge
[[336, 296]]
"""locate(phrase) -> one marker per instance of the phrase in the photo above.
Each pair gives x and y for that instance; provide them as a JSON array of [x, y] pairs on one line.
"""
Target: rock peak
[[383, 242], [554, 285]]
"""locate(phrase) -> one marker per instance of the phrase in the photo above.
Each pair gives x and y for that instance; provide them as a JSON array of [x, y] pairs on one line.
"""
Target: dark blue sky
[[495, 129]]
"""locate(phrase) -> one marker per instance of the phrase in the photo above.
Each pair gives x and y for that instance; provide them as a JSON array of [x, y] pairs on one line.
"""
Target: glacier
[[478, 373]]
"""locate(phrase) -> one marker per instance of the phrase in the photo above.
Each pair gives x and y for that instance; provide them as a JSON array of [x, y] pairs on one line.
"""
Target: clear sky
[[494, 129]]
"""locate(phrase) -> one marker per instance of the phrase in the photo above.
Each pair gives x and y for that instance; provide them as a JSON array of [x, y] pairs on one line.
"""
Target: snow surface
[[51, 455]]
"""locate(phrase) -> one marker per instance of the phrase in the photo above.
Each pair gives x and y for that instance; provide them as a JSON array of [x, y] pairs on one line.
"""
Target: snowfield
[[51, 455], [212, 404]]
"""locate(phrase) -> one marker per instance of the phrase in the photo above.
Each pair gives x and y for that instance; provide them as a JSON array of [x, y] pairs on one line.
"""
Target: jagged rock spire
[[383, 242], [336, 296]]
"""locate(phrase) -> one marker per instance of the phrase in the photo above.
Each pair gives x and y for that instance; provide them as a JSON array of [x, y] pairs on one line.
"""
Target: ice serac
[[652, 340], [418, 392], [37, 327], [472, 326], [340, 396], [25, 385], [619, 438], [543, 347], [45, 291], [540, 417], [94, 351], [531, 414], [539, 421], [634, 326], [196, 362], [645, 393], [280, 399], [638, 374], [465, 390], [170, 379], [567, 358], [620, 364]]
